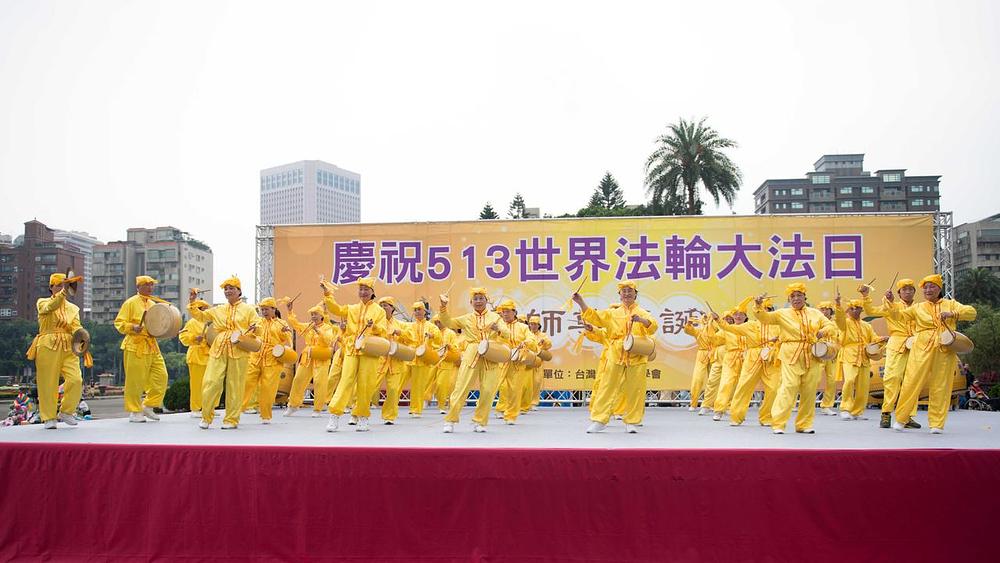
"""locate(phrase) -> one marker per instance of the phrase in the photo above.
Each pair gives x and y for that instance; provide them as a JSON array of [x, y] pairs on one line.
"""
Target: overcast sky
[[122, 114]]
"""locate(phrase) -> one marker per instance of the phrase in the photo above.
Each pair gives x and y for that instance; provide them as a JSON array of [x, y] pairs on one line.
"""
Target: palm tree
[[689, 154], [978, 285]]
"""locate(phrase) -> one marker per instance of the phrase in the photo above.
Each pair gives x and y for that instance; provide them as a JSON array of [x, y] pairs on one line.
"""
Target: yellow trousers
[[829, 378], [488, 376], [262, 381], [936, 369], [393, 375], [617, 376], [797, 380], [854, 396], [50, 365], [536, 387], [144, 373], [893, 376], [445, 382], [232, 373], [419, 379], [511, 391], [318, 374], [699, 377], [333, 377], [712, 385], [196, 377], [730, 376], [602, 368], [753, 372], [357, 378]]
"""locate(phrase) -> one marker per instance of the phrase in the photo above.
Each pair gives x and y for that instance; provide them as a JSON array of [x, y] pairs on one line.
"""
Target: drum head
[[628, 342]]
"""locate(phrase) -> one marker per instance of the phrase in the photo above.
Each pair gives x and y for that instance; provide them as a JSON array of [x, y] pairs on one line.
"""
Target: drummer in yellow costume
[[702, 330], [358, 375], [391, 370], [193, 336], [264, 369], [853, 361], [625, 369], [799, 327], [444, 372], [144, 367], [477, 326], [514, 374], [421, 332], [53, 354], [533, 387], [830, 376], [929, 362], [715, 368], [227, 363], [732, 362], [754, 369], [314, 361], [896, 352]]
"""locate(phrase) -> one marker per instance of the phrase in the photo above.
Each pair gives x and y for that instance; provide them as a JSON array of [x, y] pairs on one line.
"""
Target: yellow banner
[[682, 265]]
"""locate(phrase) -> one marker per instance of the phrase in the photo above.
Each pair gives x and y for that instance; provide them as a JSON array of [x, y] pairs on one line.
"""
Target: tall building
[[25, 266], [85, 243], [839, 184], [168, 254], [309, 191], [977, 245]]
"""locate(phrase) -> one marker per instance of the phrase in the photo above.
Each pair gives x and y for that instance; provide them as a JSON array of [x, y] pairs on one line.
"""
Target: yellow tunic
[[197, 353], [226, 319], [130, 314]]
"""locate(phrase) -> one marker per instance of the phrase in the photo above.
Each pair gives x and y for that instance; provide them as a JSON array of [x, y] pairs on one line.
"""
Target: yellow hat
[[268, 302], [905, 282], [201, 304], [743, 305], [793, 287], [856, 303], [317, 309], [535, 319], [507, 304], [57, 278], [367, 282], [418, 305], [728, 313], [143, 280], [934, 279], [473, 291], [627, 283], [523, 318], [387, 299], [825, 305], [231, 280]]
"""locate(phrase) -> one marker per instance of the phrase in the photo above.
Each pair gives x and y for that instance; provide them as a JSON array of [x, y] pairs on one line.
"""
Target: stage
[[685, 488]]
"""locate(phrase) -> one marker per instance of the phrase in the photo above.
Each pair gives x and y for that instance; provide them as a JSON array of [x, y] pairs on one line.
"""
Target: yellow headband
[[367, 282], [317, 309], [535, 319], [143, 280], [856, 303], [904, 283], [934, 279], [743, 305], [268, 302], [477, 291], [523, 318], [418, 305], [506, 304], [57, 278], [793, 287], [388, 300], [628, 283], [825, 305], [233, 281], [728, 313]]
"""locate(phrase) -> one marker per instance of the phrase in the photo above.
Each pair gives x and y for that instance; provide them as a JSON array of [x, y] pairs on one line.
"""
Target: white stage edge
[[545, 428]]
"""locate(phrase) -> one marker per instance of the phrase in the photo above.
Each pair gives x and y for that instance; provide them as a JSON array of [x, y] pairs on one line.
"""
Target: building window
[[916, 189], [821, 179], [867, 190], [918, 203], [847, 204], [846, 190], [867, 203], [797, 191], [797, 205], [894, 177]]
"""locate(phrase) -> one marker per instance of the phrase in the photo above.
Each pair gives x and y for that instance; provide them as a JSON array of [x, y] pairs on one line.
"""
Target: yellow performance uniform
[[625, 370], [896, 353], [475, 328], [427, 334], [312, 370], [392, 372], [515, 375], [714, 371], [703, 333], [732, 363], [533, 393], [930, 363], [193, 336], [754, 370], [336, 366], [144, 367], [227, 364], [358, 374], [52, 351], [800, 371], [829, 374], [263, 368], [444, 372], [853, 362], [598, 335]]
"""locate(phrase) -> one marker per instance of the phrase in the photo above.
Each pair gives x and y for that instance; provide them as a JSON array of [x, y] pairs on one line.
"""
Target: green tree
[[690, 155], [978, 285], [516, 209], [488, 212], [985, 333], [15, 339], [607, 195]]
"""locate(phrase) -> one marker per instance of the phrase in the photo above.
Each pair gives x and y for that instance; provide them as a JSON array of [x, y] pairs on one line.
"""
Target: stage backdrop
[[681, 265]]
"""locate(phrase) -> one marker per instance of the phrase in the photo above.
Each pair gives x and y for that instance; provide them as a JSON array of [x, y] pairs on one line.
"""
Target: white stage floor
[[545, 428]]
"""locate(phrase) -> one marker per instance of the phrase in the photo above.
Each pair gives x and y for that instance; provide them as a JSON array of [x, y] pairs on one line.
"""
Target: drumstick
[[893, 284], [292, 300]]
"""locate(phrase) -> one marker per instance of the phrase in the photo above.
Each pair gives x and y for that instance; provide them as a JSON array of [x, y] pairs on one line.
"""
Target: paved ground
[[546, 428], [100, 407]]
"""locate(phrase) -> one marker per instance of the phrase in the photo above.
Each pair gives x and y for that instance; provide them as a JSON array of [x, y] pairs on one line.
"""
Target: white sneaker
[[498, 416], [828, 411], [333, 424], [290, 411], [596, 427], [448, 428], [778, 431], [534, 408], [228, 426], [49, 424], [844, 415], [806, 431], [631, 429], [717, 416], [203, 425], [315, 414], [509, 422], [148, 413], [362, 424], [702, 411], [897, 426], [195, 414], [734, 423], [353, 421], [692, 409], [251, 411], [265, 421], [66, 418], [937, 430], [479, 428], [416, 415], [136, 417]]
